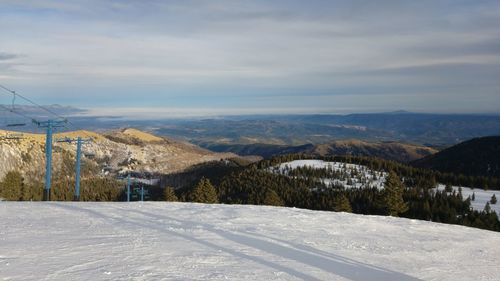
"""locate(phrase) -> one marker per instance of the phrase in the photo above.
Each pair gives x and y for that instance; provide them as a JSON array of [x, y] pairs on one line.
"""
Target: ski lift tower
[[79, 141], [50, 125]]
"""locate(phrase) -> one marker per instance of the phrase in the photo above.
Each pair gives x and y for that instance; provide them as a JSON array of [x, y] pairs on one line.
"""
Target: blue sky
[[229, 57]]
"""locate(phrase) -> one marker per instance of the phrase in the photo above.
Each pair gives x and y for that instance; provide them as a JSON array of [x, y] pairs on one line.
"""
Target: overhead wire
[[59, 116], [31, 101], [35, 104], [13, 110], [17, 112]]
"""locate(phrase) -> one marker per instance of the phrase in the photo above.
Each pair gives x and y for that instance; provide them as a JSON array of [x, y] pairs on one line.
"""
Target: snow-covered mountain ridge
[[186, 241]]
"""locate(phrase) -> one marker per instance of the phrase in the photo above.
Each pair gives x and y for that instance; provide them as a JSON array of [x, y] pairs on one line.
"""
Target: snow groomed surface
[[185, 241]]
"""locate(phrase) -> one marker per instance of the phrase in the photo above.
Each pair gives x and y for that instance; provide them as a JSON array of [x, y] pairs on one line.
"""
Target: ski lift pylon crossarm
[[16, 124]]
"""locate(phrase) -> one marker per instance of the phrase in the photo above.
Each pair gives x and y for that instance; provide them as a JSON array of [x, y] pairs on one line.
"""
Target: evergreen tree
[[493, 199], [12, 186], [169, 194], [271, 198], [204, 192], [393, 195], [426, 210], [342, 204], [473, 196], [487, 208]]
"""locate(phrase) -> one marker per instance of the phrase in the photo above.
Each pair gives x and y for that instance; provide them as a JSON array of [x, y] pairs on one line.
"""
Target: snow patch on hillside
[[185, 241], [357, 176], [481, 197], [361, 176]]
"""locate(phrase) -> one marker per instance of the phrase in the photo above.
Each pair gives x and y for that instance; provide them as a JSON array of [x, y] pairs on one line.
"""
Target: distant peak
[[141, 135], [398, 112]]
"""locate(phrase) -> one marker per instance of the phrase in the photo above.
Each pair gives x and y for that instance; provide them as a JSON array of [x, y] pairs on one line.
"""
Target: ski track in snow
[[186, 241]]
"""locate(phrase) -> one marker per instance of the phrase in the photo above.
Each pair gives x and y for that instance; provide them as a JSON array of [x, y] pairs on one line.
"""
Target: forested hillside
[[476, 157]]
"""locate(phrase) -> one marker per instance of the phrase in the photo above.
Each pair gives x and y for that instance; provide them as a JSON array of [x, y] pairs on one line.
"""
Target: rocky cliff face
[[118, 151]]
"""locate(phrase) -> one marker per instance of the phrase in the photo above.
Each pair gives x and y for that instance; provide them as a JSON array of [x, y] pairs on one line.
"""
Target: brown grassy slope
[[387, 150]]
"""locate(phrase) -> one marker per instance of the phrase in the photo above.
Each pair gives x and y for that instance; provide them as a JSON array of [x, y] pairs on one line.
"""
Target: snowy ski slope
[[186, 241]]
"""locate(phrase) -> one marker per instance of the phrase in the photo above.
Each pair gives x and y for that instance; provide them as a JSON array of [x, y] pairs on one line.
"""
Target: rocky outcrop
[[117, 151]]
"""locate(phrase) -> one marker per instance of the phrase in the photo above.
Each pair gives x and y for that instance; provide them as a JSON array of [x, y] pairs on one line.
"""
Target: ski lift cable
[[38, 105], [17, 112], [31, 101], [13, 109]]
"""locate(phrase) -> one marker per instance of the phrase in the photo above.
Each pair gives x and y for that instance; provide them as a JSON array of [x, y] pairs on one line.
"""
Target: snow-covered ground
[[481, 197], [365, 176], [185, 241]]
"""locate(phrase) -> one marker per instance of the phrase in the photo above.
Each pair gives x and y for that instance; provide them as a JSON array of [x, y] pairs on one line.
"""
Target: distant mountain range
[[435, 130], [477, 157], [387, 150], [428, 129]]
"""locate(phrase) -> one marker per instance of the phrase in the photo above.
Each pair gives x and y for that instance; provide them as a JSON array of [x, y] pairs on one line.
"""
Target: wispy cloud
[[7, 56], [204, 53]]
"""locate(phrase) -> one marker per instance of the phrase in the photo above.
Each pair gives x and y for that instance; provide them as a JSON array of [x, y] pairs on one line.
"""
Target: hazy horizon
[[159, 113]]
